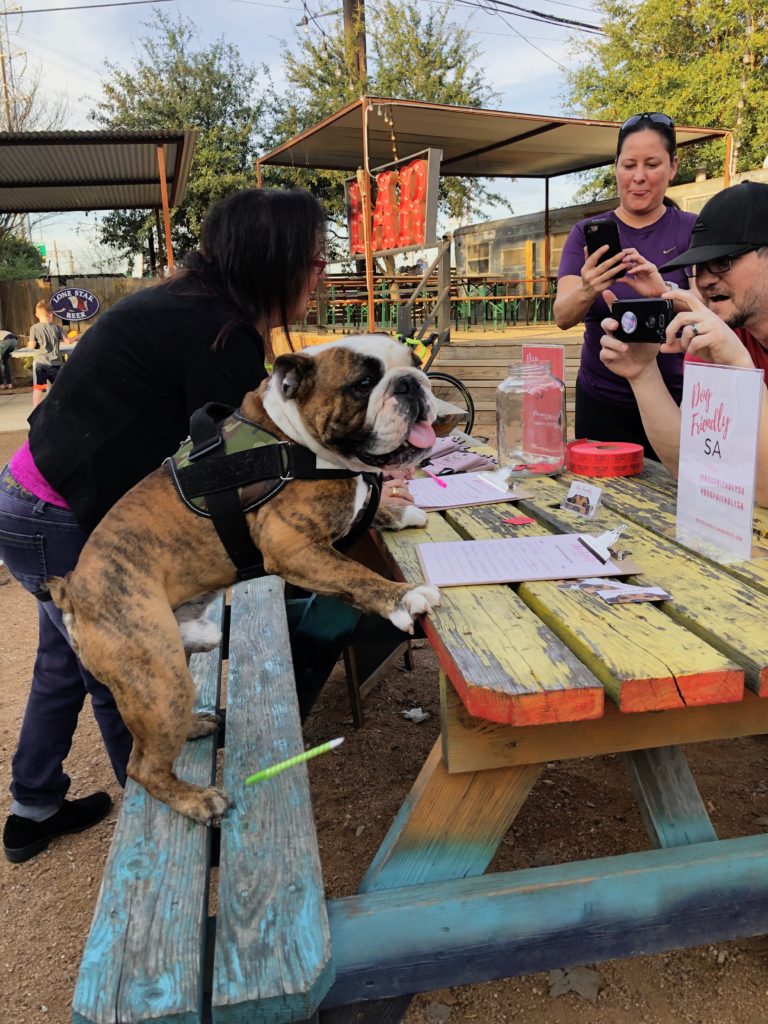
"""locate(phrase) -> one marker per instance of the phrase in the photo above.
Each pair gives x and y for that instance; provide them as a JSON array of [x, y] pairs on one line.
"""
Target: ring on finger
[[394, 490], [694, 329]]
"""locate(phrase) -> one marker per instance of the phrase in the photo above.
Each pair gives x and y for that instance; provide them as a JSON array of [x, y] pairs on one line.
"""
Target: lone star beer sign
[[403, 202]]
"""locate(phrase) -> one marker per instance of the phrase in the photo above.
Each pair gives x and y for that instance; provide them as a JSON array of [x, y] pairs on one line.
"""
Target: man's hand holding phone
[[630, 361], [698, 330]]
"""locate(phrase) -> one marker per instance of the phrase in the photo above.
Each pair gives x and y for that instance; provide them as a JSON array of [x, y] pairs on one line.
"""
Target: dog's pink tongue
[[422, 435]]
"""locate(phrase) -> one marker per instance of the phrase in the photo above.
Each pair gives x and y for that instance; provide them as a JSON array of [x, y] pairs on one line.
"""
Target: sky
[[523, 61]]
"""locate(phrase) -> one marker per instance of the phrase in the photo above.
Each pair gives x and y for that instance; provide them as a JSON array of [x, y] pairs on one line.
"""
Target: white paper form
[[514, 560], [460, 489]]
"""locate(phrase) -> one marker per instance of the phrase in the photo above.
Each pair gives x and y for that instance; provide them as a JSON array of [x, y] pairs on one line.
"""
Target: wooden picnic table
[[530, 674]]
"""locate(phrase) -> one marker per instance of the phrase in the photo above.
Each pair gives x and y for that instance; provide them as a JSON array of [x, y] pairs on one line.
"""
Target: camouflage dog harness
[[230, 465]]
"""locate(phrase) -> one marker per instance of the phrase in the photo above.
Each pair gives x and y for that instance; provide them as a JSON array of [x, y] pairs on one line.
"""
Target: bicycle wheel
[[450, 389]]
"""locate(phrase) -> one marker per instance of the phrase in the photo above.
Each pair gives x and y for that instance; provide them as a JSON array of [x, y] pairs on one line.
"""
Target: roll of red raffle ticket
[[603, 458]]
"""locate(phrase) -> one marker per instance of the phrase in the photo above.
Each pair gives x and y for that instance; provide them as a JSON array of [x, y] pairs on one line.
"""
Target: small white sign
[[583, 499], [719, 423]]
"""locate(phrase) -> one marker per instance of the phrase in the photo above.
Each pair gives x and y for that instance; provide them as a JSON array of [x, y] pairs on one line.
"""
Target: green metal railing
[[476, 304]]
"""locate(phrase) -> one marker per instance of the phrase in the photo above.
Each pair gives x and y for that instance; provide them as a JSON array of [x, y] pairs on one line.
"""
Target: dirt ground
[[577, 809]]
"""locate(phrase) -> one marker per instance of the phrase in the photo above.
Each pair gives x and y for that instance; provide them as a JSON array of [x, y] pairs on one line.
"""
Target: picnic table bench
[[153, 953], [529, 674]]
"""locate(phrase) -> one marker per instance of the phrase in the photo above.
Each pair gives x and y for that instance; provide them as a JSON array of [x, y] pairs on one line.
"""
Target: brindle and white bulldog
[[358, 404]]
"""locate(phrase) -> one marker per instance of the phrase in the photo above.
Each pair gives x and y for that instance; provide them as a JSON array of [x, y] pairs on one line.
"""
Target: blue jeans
[[39, 540]]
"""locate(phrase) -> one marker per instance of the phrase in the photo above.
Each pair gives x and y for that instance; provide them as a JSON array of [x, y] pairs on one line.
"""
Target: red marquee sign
[[404, 205]]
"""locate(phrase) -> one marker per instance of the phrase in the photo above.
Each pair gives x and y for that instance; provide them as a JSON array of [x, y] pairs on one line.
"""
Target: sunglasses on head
[[655, 117]]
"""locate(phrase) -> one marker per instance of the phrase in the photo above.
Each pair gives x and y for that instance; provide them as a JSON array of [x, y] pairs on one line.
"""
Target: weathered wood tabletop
[[530, 674]]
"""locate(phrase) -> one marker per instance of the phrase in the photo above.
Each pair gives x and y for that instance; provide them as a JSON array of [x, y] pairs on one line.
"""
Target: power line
[[84, 7], [492, 7], [530, 43]]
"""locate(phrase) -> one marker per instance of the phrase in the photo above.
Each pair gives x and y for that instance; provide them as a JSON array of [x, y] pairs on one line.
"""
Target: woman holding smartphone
[[651, 230]]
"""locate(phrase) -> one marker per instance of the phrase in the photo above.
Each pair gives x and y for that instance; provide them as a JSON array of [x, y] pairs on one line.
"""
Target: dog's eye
[[363, 387]]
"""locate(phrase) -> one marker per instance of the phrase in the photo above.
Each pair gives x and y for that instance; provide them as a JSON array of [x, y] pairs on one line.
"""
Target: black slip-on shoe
[[24, 838]]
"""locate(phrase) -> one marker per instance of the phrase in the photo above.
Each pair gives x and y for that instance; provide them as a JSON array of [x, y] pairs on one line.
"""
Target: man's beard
[[741, 315]]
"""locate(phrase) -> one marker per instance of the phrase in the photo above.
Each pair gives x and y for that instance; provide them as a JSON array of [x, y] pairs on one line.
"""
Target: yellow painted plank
[[725, 611], [644, 659], [507, 665], [474, 744]]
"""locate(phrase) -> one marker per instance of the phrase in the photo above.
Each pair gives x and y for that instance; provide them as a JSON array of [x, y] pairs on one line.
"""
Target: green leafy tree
[[19, 259], [703, 62], [412, 54], [173, 83]]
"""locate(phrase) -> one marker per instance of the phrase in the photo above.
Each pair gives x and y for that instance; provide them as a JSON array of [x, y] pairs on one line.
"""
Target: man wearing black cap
[[723, 320]]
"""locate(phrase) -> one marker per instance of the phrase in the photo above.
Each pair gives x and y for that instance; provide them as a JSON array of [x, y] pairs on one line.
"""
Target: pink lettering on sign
[[704, 419]]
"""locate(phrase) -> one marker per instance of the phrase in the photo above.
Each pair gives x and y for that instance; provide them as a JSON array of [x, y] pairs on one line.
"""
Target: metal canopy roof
[[475, 142], [44, 172]]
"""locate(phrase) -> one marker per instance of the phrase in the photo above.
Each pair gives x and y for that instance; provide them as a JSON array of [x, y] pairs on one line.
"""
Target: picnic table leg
[[449, 827], [668, 798]]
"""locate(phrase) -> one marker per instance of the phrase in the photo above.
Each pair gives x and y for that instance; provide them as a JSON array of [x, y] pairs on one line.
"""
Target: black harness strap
[[218, 476], [361, 527], [232, 528]]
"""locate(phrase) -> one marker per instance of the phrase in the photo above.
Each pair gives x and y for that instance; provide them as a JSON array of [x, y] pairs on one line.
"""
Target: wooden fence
[[19, 298]]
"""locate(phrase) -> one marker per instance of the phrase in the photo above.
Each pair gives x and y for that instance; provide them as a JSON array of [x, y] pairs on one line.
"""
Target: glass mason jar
[[530, 420]]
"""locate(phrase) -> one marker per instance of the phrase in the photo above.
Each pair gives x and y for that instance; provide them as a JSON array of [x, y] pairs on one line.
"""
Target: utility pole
[[5, 68], [354, 37]]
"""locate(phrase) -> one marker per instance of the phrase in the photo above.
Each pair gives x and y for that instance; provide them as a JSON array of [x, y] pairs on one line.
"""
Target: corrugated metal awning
[[475, 142], [42, 172]]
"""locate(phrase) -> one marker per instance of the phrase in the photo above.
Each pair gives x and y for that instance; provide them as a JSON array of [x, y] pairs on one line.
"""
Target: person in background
[[45, 336], [650, 231], [8, 343], [724, 321], [121, 405]]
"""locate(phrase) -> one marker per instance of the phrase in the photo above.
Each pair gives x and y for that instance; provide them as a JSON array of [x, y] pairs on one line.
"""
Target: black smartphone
[[642, 319], [603, 232]]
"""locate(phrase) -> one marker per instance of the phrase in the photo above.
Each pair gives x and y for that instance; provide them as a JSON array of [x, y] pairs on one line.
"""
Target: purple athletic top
[[658, 242]]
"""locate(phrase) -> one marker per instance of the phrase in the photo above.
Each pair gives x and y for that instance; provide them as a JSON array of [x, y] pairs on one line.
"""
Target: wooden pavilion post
[[160, 247], [166, 209], [547, 254], [728, 159], [364, 183]]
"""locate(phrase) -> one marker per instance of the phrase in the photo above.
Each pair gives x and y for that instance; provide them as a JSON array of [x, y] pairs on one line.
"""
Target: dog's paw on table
[[419, 601]]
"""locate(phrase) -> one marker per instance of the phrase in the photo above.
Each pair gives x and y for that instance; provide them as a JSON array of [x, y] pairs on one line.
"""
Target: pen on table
[[433, 476], [275, 769]]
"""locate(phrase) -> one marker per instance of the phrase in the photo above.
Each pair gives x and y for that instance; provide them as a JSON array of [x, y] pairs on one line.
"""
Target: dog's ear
[[291, 371]]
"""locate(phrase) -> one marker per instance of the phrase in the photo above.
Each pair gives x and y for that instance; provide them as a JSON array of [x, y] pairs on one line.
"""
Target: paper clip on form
[[499, 479], [602, 546]]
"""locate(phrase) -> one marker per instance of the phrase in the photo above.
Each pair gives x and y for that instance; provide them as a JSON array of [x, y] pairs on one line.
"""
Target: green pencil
[[275, 769]]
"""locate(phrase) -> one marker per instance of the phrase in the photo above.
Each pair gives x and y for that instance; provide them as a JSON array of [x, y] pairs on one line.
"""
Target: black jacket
[[122, 402]]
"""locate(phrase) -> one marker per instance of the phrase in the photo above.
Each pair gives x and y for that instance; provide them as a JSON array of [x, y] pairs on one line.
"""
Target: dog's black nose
[[407, 385]]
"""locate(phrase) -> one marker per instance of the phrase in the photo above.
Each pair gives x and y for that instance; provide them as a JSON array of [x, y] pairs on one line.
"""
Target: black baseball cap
[[733, 222]]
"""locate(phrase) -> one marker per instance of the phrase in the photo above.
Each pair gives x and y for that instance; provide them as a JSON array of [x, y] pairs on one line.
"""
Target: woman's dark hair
[[256, 249], [662, 124]]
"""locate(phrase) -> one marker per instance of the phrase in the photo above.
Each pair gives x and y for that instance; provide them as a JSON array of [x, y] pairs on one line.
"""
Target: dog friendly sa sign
[[719, 423], [74, 304]]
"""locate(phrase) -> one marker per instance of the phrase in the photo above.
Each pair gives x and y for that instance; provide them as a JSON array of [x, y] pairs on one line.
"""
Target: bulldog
[[359, 405]]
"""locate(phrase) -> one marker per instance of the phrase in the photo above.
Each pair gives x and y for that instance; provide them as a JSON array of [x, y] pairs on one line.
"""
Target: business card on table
[[583, 499], [614, 591]]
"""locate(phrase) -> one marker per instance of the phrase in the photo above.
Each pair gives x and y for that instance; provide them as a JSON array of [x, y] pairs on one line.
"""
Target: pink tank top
[[28, 476]]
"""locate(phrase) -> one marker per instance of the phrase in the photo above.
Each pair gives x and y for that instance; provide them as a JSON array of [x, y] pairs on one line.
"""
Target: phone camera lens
[[651, 321]]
